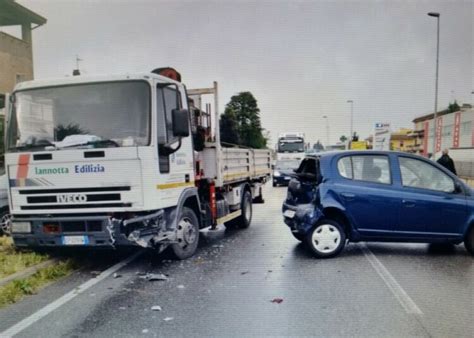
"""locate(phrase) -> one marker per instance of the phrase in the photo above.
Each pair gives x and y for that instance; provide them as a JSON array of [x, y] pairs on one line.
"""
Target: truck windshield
[[291, 146], [98, 115]]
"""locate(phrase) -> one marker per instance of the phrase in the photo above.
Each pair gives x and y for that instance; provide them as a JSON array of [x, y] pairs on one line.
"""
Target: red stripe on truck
[[23, 162]]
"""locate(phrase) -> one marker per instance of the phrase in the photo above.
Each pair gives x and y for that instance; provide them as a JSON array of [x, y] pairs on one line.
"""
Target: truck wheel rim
[[5, 224], [326, 238], [188, 232]]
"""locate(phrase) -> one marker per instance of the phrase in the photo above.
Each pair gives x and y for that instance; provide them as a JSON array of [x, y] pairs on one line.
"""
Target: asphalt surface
[[228, 287]]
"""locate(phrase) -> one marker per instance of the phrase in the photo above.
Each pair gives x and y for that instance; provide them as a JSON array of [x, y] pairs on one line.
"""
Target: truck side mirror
[[180, 122]]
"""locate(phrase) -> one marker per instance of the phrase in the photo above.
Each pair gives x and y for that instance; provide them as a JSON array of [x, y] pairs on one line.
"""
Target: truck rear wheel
[[244, 220], [188, 235]]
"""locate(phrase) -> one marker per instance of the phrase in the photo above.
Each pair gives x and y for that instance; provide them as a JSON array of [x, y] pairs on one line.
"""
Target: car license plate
[[287, 178], [289, 213], [75, 240]]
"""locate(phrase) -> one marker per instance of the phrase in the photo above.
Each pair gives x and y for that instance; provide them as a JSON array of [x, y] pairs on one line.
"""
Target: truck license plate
[[289, 213], [75, 240]]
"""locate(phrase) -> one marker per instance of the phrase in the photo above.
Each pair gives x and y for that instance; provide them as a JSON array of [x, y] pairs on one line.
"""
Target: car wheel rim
[[326, 238], [5, 224], [188, 233]]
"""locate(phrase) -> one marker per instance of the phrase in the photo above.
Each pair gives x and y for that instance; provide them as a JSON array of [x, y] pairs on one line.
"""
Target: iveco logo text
[[72, 198]]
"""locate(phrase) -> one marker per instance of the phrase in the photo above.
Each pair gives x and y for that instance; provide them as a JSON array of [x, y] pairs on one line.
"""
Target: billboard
[[382, 136]]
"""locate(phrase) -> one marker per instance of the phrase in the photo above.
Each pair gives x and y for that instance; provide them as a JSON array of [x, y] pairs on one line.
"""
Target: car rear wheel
[[469, 241], [326, 239]]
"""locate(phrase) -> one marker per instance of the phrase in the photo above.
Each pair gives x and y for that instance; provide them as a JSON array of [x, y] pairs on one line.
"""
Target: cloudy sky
[[301, 59]]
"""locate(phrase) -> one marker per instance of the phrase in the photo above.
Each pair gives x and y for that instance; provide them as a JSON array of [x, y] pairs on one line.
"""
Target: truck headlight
[[276, 174], [21, 227]]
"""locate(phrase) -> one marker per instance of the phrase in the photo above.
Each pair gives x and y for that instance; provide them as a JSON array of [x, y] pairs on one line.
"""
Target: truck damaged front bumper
[[301, 218], [93, 231]]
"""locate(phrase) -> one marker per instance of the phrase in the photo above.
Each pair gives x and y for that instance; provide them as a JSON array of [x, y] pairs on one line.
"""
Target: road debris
[[277, 300], [117, 275], [180, 286], [245, 272], [218, 246], [145, 331], [151, 277], [167, 319], [156, 308], [122, 308]]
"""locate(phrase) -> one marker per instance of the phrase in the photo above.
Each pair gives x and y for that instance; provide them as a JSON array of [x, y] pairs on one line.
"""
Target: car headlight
[[276, 174], [21, 227]]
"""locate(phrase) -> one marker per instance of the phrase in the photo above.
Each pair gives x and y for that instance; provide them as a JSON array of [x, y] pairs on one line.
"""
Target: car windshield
[[287, 165], [98, 115]]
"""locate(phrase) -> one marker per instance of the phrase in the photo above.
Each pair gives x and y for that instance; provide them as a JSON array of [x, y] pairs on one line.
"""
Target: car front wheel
[[469, 241], [326, 239]]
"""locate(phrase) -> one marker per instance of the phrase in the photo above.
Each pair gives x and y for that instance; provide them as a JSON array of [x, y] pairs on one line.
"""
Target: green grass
[[17, 289], [13, 260]]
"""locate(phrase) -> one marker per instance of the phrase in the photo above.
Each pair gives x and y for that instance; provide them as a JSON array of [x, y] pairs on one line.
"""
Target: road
[[227, 289]]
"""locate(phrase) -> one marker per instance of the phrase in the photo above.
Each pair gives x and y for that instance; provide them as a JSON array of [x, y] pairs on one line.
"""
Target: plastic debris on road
[[156, 308], [180, 286], [277, 300], [154, 277], [145, 331], [167, 319], [117, 275]]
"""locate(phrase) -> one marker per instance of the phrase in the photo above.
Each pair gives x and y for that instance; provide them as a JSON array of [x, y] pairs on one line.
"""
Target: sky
[[302, 60]]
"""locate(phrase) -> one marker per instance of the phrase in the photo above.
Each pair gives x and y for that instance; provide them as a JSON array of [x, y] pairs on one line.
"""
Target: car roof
[[331, 154]]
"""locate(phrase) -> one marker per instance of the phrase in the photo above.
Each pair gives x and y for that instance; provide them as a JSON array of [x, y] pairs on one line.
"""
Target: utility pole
[[435, 115], [352, 123], [76, 71]]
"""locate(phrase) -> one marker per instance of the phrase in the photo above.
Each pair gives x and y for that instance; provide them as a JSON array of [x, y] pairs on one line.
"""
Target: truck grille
[[74, 198]]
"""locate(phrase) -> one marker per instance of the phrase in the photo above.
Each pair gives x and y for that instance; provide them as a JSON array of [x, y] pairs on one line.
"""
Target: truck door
[[176, 170]]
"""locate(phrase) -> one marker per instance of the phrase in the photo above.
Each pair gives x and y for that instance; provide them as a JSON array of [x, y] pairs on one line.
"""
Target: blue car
[[283, 171], [377, 196]]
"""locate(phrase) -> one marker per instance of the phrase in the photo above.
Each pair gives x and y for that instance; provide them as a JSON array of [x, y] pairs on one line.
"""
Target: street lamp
[[327, 130], [437, 16], [352, 121]]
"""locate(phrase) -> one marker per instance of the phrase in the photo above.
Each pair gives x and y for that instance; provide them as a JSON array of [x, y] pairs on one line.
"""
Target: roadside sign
[[382, 136]]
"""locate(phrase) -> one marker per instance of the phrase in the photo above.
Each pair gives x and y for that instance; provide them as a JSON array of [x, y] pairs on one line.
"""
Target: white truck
[[124, 160], [290, 146]]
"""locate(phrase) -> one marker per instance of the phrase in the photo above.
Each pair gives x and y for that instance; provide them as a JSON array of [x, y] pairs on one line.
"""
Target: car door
[[431, 206], [367, 193]]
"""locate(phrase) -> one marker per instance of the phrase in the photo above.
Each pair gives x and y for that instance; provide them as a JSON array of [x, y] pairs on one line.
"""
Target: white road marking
[[407, 303], [43, 312]]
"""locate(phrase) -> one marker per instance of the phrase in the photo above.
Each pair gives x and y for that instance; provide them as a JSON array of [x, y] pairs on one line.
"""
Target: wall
[[16, 62]]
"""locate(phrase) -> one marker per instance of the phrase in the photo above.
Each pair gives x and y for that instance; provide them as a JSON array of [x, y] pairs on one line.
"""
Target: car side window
[[369, 168], [419, 174], [344, 166]]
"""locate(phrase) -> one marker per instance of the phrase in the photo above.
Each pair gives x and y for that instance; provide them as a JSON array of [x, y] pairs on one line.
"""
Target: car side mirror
[[180, 122]]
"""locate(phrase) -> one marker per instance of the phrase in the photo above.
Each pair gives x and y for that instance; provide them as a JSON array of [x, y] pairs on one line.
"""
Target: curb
[[27, 272]]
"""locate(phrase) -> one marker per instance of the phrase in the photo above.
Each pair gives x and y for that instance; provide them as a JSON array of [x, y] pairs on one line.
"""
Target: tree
[[228, 128], [343, 138], [453, 107], [243, 111]]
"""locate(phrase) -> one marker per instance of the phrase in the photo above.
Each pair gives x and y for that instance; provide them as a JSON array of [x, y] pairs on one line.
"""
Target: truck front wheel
[[187, 233]]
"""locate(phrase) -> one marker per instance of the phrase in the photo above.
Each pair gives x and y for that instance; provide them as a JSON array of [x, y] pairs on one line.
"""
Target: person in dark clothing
[[447, 162]]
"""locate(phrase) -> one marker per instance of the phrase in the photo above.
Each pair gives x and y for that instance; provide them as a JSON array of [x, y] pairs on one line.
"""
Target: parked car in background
[[377, 196], [5, 225], [283, 170]]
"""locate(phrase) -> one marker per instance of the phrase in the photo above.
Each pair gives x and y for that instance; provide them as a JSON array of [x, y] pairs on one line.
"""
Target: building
[[16, 53], [454, 131], [403, 140]]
